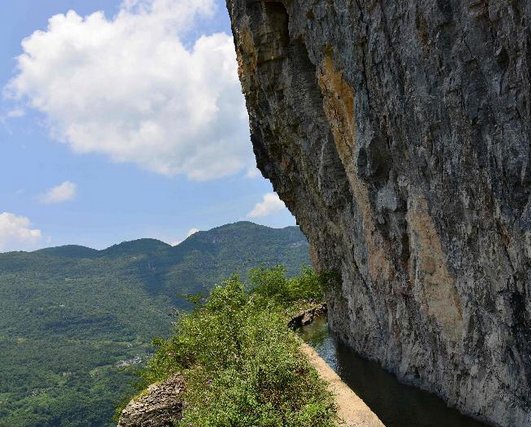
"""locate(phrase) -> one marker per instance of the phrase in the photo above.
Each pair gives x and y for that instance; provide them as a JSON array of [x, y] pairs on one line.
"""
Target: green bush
[[272, 284], [241, 363]]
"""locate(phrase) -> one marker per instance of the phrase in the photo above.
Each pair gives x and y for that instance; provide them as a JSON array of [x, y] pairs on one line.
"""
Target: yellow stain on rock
[[247, 57], [429, 271], [339, 109]]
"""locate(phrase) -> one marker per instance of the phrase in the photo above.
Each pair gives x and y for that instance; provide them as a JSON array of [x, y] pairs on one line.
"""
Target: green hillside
[[71, 316]]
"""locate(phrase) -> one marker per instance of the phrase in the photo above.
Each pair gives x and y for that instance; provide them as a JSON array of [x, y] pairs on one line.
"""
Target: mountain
[[71, 317], [69, 251]]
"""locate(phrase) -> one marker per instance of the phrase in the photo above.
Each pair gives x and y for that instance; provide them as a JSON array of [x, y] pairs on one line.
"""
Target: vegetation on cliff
[[241, 363]]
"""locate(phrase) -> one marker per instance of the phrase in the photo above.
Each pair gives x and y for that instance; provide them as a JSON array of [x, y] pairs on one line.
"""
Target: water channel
[[396, 404]]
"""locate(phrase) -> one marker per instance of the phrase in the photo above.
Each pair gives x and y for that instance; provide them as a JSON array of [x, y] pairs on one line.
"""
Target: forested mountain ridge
[[69, 316]]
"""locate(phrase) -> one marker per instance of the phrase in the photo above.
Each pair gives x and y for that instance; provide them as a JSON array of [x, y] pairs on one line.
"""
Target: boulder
[[159, 406]]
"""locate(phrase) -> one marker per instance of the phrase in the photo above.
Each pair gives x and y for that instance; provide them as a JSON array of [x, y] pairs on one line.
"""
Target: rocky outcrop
[[307, 316], [398, 133], [159, 406]]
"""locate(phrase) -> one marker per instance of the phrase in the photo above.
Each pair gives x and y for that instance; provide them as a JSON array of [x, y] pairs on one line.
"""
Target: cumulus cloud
[[133, 88], [16, 232], [253, 173], [271, 203], [191, 232], [61, 193]]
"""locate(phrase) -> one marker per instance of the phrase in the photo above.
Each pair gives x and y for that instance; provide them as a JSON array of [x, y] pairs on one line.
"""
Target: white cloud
[[253, 172], [128, 87], [191, 232], [16, 113], [271, 203], [61, 193], [16, 232]]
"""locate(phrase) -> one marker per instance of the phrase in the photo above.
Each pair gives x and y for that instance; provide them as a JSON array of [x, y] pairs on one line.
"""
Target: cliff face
[[398, 133]]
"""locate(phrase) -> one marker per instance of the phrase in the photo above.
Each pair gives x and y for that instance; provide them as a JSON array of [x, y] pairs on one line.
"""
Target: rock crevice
[[398, 133]]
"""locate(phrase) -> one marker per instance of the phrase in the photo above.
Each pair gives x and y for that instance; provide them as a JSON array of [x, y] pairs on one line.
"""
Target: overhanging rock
[[398, 133]]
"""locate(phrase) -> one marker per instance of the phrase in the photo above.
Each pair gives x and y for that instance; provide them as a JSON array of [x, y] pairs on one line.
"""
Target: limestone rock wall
[[398, 133]]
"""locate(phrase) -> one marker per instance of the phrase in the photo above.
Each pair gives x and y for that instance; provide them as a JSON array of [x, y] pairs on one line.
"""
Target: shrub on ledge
[[241, 363]]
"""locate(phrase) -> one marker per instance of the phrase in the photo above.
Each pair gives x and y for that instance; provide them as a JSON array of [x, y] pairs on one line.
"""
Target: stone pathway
[[351, 409]]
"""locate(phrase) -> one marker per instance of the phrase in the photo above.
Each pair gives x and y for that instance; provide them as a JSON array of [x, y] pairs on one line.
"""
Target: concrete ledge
[[351, 409]]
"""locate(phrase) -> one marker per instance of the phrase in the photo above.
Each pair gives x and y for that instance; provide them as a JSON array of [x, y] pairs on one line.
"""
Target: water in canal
[[397, 405]]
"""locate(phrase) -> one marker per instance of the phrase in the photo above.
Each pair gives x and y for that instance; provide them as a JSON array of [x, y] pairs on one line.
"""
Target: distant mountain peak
[[70, 251], [238, 230], [133, 247]]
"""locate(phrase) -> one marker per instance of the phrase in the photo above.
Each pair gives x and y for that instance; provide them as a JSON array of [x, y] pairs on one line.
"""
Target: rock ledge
[[159, 406]]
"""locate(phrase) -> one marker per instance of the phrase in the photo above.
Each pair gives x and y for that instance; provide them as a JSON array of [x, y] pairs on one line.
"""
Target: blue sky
[[122, 124]]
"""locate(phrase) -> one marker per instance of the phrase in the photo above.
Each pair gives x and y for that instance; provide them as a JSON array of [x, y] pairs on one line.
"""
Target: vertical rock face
[[398, 133]]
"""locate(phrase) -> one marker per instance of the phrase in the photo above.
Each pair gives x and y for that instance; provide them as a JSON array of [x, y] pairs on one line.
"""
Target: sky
[[122, 119]]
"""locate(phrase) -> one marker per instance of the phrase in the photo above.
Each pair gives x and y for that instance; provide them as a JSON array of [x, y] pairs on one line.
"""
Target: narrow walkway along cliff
[[351, 410], [398, 133]]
